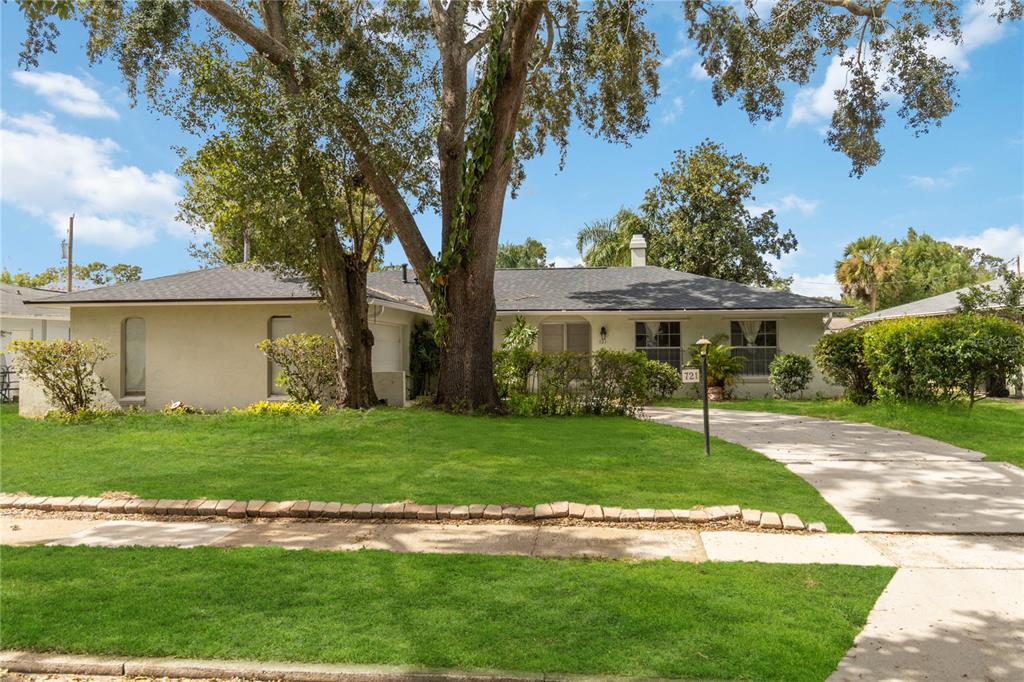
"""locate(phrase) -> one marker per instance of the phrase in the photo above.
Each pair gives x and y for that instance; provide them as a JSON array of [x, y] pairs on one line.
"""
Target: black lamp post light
[[703, 344]]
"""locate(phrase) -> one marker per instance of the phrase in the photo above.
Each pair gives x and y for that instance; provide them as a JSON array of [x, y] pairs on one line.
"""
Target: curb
[[305, 509], [66, 664]]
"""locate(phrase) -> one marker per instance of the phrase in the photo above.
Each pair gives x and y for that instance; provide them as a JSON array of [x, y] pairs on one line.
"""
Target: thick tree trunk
[[344, 292], [466, 376]]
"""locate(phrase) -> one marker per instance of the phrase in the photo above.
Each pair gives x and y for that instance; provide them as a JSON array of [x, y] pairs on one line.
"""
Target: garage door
[[387, 347]]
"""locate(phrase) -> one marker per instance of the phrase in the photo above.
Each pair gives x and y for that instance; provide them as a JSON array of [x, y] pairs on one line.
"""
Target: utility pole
[[71, 242]]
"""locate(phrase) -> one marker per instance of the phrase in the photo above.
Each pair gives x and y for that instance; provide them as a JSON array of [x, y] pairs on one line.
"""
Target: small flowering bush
[[178, 407], [64, 370], [290, 407]]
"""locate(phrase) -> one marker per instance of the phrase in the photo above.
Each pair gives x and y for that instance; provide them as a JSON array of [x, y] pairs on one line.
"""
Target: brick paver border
[[30, 662], [306, 509]]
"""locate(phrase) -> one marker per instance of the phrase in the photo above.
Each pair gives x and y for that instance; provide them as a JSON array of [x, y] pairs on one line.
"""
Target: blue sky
[[72, 144]]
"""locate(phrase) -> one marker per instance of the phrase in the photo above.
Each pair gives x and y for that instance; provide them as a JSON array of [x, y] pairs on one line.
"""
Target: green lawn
[[994, 427], [386, 455], [651, 619]]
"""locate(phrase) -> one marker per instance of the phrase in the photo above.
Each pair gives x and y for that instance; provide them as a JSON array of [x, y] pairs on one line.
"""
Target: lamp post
[[703, 344]]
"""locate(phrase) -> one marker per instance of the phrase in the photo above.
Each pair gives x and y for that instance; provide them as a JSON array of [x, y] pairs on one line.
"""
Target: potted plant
[[723, 367]]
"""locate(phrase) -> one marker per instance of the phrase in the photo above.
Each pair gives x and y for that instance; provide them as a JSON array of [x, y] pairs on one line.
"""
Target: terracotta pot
[[716, 393]]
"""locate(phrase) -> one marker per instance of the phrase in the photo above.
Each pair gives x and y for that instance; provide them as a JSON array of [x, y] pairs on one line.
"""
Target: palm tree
[[605, 243], [867, 262]]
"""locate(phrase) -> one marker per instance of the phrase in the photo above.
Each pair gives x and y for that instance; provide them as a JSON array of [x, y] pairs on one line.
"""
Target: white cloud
[[698, 73], [1001, 242], [66, 93], [789, 203], [567, 261], [672, 113], [818, 286], [119, 206], [944, 181], [677, 56], [815, 104]]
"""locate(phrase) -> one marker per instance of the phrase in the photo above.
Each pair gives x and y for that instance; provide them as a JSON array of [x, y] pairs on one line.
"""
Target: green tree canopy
[[876, 273], [529, 254], [94, 273], [700, 221], [696, 219], [605, 243], [752, 50]]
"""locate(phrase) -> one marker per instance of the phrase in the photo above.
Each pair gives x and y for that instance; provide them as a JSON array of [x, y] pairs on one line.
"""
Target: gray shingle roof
[[549, 289], [13, 298], [943, 304]]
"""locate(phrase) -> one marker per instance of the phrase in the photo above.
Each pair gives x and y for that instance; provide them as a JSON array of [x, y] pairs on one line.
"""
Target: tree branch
[[244, 29], [391, 200], [872, 11]]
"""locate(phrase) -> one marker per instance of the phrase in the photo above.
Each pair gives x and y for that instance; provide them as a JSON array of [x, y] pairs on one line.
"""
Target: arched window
[[133, 354], [279, 325]]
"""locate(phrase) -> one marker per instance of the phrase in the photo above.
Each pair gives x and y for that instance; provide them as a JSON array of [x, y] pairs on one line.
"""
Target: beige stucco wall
[[206, 355], [797, 333]]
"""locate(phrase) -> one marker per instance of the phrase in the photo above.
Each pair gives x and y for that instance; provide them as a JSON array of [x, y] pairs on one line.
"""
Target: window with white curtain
[[660, 341], [757, 342], [134, 356], [559, 337], [279, 326]]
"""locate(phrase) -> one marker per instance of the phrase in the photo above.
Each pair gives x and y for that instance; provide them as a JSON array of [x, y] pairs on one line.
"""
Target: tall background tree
[[491, 84], [867, 262], [85, 275], [875, 273], [605, 243], [529, 254], [696, 219]]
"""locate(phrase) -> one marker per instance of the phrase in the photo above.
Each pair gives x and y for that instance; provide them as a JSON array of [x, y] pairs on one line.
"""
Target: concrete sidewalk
[[918, 551]]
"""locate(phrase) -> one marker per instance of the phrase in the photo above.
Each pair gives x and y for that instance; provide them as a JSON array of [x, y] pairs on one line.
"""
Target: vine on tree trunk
[[477, 160]]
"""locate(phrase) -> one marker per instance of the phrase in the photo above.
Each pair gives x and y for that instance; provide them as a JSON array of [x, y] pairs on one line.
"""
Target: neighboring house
[[19, 321], [933, 306], [192, 337]]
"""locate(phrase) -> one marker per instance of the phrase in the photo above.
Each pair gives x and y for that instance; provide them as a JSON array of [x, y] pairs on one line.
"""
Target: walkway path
[[955, 608], [879, 479]]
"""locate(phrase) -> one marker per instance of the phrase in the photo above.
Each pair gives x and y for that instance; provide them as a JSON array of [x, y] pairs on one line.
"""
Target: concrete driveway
[[879, 479]]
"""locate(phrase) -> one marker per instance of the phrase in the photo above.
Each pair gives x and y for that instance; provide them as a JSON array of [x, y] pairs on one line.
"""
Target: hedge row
[[922, 359]]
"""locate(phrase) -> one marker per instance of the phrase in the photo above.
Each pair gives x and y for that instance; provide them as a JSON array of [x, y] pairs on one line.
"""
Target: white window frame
[[134, 391], [565, 336], [644, 349], [776, 347], [273, 390]]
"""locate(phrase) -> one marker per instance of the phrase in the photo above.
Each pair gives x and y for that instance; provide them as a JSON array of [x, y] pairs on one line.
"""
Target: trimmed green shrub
[[790, 373], [840, 357], [662, 379], [64, 370], [943, 358], [608, 382], [309, 366]]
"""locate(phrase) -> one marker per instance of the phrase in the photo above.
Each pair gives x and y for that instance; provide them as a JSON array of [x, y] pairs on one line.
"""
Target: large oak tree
[[490, 84]]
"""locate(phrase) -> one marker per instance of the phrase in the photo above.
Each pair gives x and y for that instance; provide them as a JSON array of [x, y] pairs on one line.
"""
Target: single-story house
[[192, 337], [19, 321], [933, 306]]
